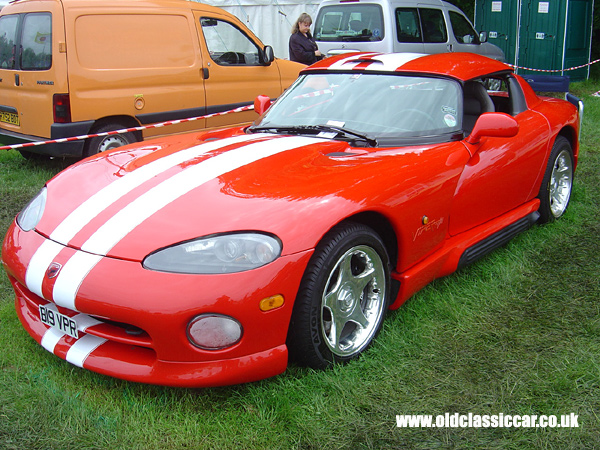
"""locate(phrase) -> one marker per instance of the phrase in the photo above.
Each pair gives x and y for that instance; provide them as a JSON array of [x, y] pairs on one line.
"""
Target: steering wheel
[[229, 58]]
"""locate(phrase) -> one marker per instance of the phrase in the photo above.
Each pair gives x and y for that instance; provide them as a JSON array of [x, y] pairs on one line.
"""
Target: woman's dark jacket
[[303, 48]]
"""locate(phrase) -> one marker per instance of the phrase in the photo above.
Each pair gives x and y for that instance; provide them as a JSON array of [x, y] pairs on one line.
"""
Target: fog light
[[214, 331]]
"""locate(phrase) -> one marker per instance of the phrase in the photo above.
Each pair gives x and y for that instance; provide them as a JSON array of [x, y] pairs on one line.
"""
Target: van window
[[420, 25], [36, 53], [463, 31], [33, 37], [407, 25], [349, 23], [434, 26], [227, 44], [8, 41]]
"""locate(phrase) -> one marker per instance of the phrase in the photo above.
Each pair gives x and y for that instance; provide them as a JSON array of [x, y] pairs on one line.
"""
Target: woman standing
[[303, 48]]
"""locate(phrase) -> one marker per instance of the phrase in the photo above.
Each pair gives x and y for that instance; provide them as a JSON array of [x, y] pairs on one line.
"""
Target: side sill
[[496, 240]]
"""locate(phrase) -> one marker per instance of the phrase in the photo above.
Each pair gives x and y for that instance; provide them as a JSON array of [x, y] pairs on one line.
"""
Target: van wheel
[[103, 143]]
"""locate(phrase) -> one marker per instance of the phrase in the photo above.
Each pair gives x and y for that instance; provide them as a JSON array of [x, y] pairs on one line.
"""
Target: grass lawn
[[516, 333]]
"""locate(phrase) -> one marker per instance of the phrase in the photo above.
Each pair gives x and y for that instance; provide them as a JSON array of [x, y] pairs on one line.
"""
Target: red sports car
[[206, 259]]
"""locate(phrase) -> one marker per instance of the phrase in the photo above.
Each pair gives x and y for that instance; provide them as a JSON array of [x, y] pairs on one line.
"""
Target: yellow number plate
[[11, 118]]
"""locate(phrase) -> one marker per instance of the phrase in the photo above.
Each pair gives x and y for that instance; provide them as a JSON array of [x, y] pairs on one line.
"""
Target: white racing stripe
[[380, 61], [350, 61], [105, 197], [153, 200], [81, 349], [42, 258], [51, 338], [126, 220], [393, 61], [77, 268]]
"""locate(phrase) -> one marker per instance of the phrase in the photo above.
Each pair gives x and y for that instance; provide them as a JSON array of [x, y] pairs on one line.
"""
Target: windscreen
[[377, 105]]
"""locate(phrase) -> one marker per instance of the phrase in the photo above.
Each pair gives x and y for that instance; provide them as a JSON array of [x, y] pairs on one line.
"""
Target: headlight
[[214, 331], [226, 253], [30, 216]]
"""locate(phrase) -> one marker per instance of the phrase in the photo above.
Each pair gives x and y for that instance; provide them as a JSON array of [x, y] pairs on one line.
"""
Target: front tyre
[[343, 298], [557, 184]]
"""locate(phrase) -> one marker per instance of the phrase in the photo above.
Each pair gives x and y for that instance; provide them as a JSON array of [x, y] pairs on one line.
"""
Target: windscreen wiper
[[316, 130]]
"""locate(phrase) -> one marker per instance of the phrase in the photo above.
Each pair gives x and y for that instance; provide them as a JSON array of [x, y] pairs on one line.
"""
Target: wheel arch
[[126, 121], [569, 133], [383, 227]]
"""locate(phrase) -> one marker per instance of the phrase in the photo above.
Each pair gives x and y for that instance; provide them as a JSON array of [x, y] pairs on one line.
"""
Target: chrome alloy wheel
[[353, 302], [561, 183]]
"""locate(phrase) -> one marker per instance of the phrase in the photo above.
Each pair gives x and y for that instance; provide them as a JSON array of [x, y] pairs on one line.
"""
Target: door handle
[[205, 73], [17, 79]]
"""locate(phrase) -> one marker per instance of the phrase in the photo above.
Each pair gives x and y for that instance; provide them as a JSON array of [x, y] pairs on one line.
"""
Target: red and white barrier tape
[[554, 70], [209, 116], [125, 130]]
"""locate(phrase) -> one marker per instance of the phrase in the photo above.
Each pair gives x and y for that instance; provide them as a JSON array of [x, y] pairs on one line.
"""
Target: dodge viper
[[212, 258]]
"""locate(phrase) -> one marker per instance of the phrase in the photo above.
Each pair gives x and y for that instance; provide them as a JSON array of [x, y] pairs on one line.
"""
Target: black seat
[[476, 102]]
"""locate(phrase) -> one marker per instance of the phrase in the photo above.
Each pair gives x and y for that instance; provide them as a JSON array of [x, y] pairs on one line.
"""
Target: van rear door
[[353, 27], [32, 68]]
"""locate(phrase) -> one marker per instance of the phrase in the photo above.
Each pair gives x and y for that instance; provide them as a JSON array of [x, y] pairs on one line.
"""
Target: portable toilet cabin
[[551, 36]]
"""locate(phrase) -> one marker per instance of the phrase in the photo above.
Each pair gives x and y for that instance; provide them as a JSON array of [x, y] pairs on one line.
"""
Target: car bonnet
[[130, 202]]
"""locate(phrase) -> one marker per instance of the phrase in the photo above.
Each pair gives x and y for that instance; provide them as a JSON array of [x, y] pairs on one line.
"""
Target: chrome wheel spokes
[[561, 183], [354, 301]]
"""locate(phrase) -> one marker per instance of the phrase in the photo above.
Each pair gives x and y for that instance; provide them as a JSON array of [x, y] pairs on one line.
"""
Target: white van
[[418, 26]]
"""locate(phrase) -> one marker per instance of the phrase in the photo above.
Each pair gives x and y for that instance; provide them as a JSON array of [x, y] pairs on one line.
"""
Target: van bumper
[[57, 131]]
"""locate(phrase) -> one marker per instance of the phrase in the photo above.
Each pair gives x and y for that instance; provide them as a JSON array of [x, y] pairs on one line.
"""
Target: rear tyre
[[343, 298], [103, 143], [557, 184]]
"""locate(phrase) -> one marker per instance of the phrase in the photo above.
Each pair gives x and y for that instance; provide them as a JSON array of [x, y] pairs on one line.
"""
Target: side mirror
[[493, 125], [483, 36], [261, 104], [267, 56]]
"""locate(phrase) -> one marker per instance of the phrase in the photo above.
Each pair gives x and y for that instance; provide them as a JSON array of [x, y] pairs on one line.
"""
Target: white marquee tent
[[270, 20]]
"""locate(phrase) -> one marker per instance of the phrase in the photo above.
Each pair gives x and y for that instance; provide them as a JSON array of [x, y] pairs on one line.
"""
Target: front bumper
[[133, 321]]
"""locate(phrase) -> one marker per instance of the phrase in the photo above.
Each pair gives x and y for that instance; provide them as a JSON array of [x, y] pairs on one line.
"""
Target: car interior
[[494, 94]]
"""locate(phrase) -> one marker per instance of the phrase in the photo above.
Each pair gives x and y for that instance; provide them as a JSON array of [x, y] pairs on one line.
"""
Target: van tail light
[[61, 106]]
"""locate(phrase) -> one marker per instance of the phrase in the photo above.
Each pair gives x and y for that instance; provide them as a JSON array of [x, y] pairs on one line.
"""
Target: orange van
[[76, 67]]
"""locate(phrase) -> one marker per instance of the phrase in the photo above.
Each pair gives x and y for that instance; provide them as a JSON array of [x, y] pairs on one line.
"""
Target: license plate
[[8, 117], [54, 319]]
